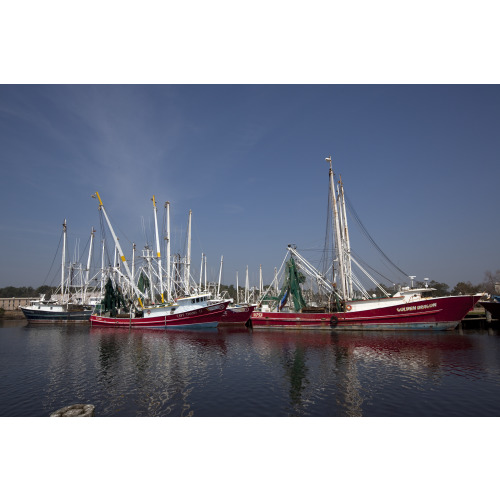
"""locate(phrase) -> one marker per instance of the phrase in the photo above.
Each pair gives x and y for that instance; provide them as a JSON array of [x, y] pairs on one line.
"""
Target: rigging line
[[194, 229], [318, 250], [370, 277], [85, 248], [277, 275], [371, 268], [118, 229], [163, 236], [103, 237], [54, 259], [367, 234]]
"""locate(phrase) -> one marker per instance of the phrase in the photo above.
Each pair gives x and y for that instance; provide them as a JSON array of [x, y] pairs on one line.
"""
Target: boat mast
[[158, 253], [338, 235], [237, 290], [247, 286], [119, 248], [133, 261], [63, 260], [150, 271], [260, 280], [102, 270], [348, 267], [220, 275], [92, 232], [116, 266], [169, 279], [188, 257], [205, 273], [201, 270]]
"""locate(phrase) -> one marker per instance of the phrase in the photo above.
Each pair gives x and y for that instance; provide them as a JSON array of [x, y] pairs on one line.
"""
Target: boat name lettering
[[257, 315], [417, 308]]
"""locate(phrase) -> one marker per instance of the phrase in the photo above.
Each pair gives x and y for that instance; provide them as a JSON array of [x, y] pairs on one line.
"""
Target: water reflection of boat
[[406, 346], [316, 361], [359, 338], [194, 337]]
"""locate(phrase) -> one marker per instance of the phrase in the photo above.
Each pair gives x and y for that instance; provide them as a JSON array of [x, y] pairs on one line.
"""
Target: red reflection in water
[[408, 348], [207, 338]]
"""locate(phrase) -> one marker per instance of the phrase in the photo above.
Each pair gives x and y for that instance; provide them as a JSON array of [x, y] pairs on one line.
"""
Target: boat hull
[[205, 317], [236, 315], [443, 313], [41, 316], [493, 308]]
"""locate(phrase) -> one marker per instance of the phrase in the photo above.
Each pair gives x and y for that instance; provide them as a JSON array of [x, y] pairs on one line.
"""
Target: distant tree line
[[25, 291]]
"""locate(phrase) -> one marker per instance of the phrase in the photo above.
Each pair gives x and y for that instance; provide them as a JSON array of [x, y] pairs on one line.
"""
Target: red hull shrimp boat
[[236, 315], [180, 314], [117, 310], [350, 306], [442, 313]]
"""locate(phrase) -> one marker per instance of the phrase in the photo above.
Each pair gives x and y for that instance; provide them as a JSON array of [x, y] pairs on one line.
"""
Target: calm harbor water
[[240, 372]]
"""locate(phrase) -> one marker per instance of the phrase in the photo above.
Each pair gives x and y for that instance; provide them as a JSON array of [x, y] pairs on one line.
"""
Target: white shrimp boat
[[74, 308]]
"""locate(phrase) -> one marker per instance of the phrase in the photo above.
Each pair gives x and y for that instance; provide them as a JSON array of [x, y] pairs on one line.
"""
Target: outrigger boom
[[120, 251]]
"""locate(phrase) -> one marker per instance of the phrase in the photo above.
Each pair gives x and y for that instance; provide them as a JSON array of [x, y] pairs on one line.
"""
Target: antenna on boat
[[426, 282], [412, 278]]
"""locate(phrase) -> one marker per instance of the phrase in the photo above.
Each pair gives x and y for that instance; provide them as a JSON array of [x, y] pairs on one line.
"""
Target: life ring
[[348, 307], [333, 321]]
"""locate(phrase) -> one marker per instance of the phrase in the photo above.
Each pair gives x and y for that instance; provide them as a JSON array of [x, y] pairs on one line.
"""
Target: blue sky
[[420, 164]]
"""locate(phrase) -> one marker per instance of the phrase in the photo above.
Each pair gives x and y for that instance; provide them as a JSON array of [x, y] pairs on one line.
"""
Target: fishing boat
[[125, 306], [71, 307], [493, 306], [49, 311], [237, 314], [408, 311], [186, 313], [349, 306]]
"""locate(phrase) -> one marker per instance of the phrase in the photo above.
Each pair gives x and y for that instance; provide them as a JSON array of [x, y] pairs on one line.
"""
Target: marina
[[149, 338], [299, 377], [134, 323], [171, 298], [236, 372]]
